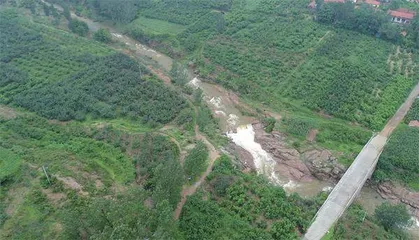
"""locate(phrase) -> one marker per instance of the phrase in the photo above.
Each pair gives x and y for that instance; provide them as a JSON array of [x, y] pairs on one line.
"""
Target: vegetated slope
[[275, 53], [400, 158], [240, 206], [90, 191], [357, 224], [92, 169], [413, 114], [340, 72], [51, 78], [183, 12]]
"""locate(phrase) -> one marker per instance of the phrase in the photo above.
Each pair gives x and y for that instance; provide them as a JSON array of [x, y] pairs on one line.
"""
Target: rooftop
[[372, 2], [402, 13]]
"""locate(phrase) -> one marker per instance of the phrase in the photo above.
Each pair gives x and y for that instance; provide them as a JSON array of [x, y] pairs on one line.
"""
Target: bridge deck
[[347, 189], [361, 169]]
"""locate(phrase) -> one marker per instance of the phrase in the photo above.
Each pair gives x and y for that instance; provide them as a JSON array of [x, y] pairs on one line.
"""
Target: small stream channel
[[238, 127]]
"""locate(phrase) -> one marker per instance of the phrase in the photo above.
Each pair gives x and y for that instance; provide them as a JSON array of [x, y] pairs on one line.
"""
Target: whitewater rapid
[[264, 163]]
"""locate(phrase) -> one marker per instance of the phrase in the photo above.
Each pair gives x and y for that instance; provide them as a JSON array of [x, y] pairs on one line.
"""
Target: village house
[[373, 3], [402, 15]]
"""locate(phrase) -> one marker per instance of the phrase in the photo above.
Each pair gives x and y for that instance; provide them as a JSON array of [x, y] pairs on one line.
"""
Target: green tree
[[390, 31], [78, 27], [395, 4], [103, 35], [46, 9], [123, 11], [325, 13], [66, 12], [179, 74], [197, 96], [283, 230], [319, 3], [168, 182], [196, 161], [393, 216]]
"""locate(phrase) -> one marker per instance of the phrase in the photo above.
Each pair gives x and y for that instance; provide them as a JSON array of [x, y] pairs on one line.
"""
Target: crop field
[[79, 133], [61, 76], [413, 114], [157, 26], [241, 206], [342, 73], [399, 160]]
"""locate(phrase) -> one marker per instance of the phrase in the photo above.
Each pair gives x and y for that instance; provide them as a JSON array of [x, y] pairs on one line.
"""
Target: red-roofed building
[[402, 15], [373, 3]]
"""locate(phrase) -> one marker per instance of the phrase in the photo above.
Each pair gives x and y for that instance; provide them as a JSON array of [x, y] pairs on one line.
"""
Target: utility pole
[[46, 174]]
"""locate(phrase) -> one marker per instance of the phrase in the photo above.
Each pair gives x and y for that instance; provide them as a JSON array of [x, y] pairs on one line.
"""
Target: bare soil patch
[[312, 135], [71, 183], [7, 113], [414, 123], [15, 198], [54, 198], [160, 75]]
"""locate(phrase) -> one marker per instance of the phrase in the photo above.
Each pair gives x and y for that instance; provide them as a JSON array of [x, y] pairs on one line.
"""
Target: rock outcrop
[[244, 157], [323, 165], [396, 194], [288, 159]]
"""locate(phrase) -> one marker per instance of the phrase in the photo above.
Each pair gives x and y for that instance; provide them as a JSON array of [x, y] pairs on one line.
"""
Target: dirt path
[[324, 36], [190, 190], [213, 152]]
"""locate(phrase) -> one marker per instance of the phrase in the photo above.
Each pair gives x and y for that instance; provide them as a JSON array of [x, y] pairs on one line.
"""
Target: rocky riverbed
[[396, 193], [303, 167]]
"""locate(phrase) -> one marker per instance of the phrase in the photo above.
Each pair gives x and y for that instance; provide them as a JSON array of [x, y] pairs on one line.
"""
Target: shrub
[[78, 27], [102, 35], [393, 216], [196, 161]]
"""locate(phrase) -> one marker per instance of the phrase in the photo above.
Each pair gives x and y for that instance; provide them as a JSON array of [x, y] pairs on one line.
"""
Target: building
[[402, 15], [373, 3]]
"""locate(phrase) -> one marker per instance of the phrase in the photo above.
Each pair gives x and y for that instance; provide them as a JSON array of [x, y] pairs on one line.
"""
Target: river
[[238, 126]]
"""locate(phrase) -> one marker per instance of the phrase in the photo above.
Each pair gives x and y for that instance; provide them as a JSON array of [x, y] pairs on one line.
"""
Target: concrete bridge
[[355, 177]]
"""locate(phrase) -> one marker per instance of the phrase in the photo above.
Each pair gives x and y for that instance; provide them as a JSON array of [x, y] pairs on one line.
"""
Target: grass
[[9, 163], [329, 234], [252, 4], [158, 26], [333, 134], [124, 124], [357, 224], [414, 184]]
